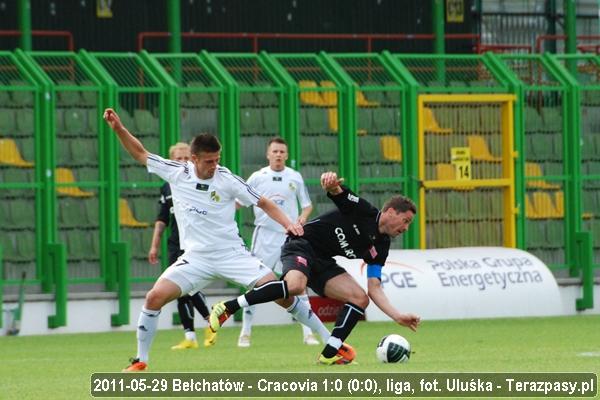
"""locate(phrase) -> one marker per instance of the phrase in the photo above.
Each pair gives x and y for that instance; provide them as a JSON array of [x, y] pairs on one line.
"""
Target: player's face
[[397, 223], [181, 154], [277, 154], [206, 164]]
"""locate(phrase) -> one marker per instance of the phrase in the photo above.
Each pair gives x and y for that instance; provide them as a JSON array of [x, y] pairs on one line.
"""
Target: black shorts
[[297, 254]]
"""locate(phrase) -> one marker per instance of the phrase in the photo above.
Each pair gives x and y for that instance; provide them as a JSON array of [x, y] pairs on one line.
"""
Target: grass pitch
[[59, 366]]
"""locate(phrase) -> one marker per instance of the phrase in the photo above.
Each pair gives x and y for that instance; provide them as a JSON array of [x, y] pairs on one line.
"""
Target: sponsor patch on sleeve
[[352, 198]]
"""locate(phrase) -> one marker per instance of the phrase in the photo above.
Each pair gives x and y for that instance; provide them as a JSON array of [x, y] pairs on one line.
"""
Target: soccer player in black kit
[[355, 230]]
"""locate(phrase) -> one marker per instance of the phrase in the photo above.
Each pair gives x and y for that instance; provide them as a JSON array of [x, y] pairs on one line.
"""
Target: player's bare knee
[[360, 299], [295, 287], [154, 300]]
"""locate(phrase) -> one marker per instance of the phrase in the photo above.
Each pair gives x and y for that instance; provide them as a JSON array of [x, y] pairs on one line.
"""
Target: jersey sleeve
[[166, 169], [378, 254], [163, 208], [349, 203], [244, 194], [303, 197]]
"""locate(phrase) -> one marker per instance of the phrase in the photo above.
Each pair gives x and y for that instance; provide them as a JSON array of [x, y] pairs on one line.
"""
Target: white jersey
[[204, 208], [286, 188]]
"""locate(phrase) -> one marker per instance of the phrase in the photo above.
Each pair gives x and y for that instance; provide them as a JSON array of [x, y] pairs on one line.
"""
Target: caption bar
[[344, 384]]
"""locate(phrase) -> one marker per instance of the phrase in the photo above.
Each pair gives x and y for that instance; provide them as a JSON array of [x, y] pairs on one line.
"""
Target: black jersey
[[166, 215], [351, 231]]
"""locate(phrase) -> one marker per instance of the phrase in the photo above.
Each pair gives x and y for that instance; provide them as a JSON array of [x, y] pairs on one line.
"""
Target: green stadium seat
[[145, 122], [308, 150], [67, 97], [490, 119], [71, 213], [251, 122], [267, 99], [457, 203], [317, 121], [327, 149], [552, 119], [369, 148], [536, 234], [197, 97], [248, 99], [145, 209], [25, 122], [88, 97], [75, 121], [533, 120], [435, 205], [255, 148], [364, 171], [77, 244], [555, 233], [87, 174], [271, 120], [126, 118], [8, 243], [92, 211], [8, 123], [392, 97], [84, 152], [63, 154], [21, 97], [92, 119], [59, 121], [25, 246], [383, 121], [365, 120], [5, 98]]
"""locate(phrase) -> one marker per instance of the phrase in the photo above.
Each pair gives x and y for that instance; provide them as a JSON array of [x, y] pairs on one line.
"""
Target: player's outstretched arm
[[375, 291], [273, 211], [129, 142]]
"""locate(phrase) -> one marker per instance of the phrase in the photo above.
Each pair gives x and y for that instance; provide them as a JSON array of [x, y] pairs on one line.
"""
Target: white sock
[[306, 331], [242, 301], [146, 329], [306, 316], [247, 318], [190, 335]]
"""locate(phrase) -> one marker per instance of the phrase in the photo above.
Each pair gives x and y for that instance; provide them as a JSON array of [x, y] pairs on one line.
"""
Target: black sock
[[198, 301], [262, 294], [186, 313], [345, 322]]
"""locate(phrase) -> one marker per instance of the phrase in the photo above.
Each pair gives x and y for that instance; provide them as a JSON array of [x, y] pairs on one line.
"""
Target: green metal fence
[[83, 211]]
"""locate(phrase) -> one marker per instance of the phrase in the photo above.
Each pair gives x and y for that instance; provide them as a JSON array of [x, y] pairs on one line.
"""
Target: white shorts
[[193, 271], [266, 245]]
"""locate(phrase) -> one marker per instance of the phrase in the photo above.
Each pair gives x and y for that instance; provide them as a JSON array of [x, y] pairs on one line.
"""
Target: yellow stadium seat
[[391, 148], [310, 97], [10, 154], [126, 217], [543, 205], [330, 98], [431, 124], [332, 116], [530, 211], [480, 150], [65, 175], [534, 170], [447, 172]]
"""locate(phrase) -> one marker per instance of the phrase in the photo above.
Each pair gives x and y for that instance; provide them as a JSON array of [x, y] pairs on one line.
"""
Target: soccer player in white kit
[[204, 199], [286, 188]]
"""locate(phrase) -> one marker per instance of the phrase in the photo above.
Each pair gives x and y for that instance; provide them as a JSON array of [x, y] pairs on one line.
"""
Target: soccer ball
[[393, 348]]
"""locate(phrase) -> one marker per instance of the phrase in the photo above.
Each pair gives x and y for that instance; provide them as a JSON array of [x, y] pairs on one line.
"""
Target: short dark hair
[[277, 139], [400, 204], [205, 143]]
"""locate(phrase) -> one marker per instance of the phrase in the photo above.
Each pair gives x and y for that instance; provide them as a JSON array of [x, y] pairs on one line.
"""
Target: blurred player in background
[[355, 230], [286, 188], [166, 218]]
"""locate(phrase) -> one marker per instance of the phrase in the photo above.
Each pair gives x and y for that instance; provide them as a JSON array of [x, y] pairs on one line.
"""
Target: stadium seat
[[22, 214], [536, 234], [327, 149], [391, 148], [369, 148], [248, 99], [21, 97], [25, 122], [317, 121], [431, 124], [308, 147], [126, 217], [436, 205], [8, 123], [85, 152], [543, 206], [88, 97], [65, 175], [71, 213], [362, 101], [383, 121], [533, 120], [267, 99], [308, 96], [534, 170], [394, 95], [251, 122], [197, 98], [10, 154], [330, 97], [146, 208], [479, 149], [254, 149], [26, 246], [364, 121], [552, 119], [92, 119], [555, 233], [271, 120], [75, 121], [145, 122], [63, 153], [67, 97], [490, 119], [333, 119], [92, 211], [559, 202]]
